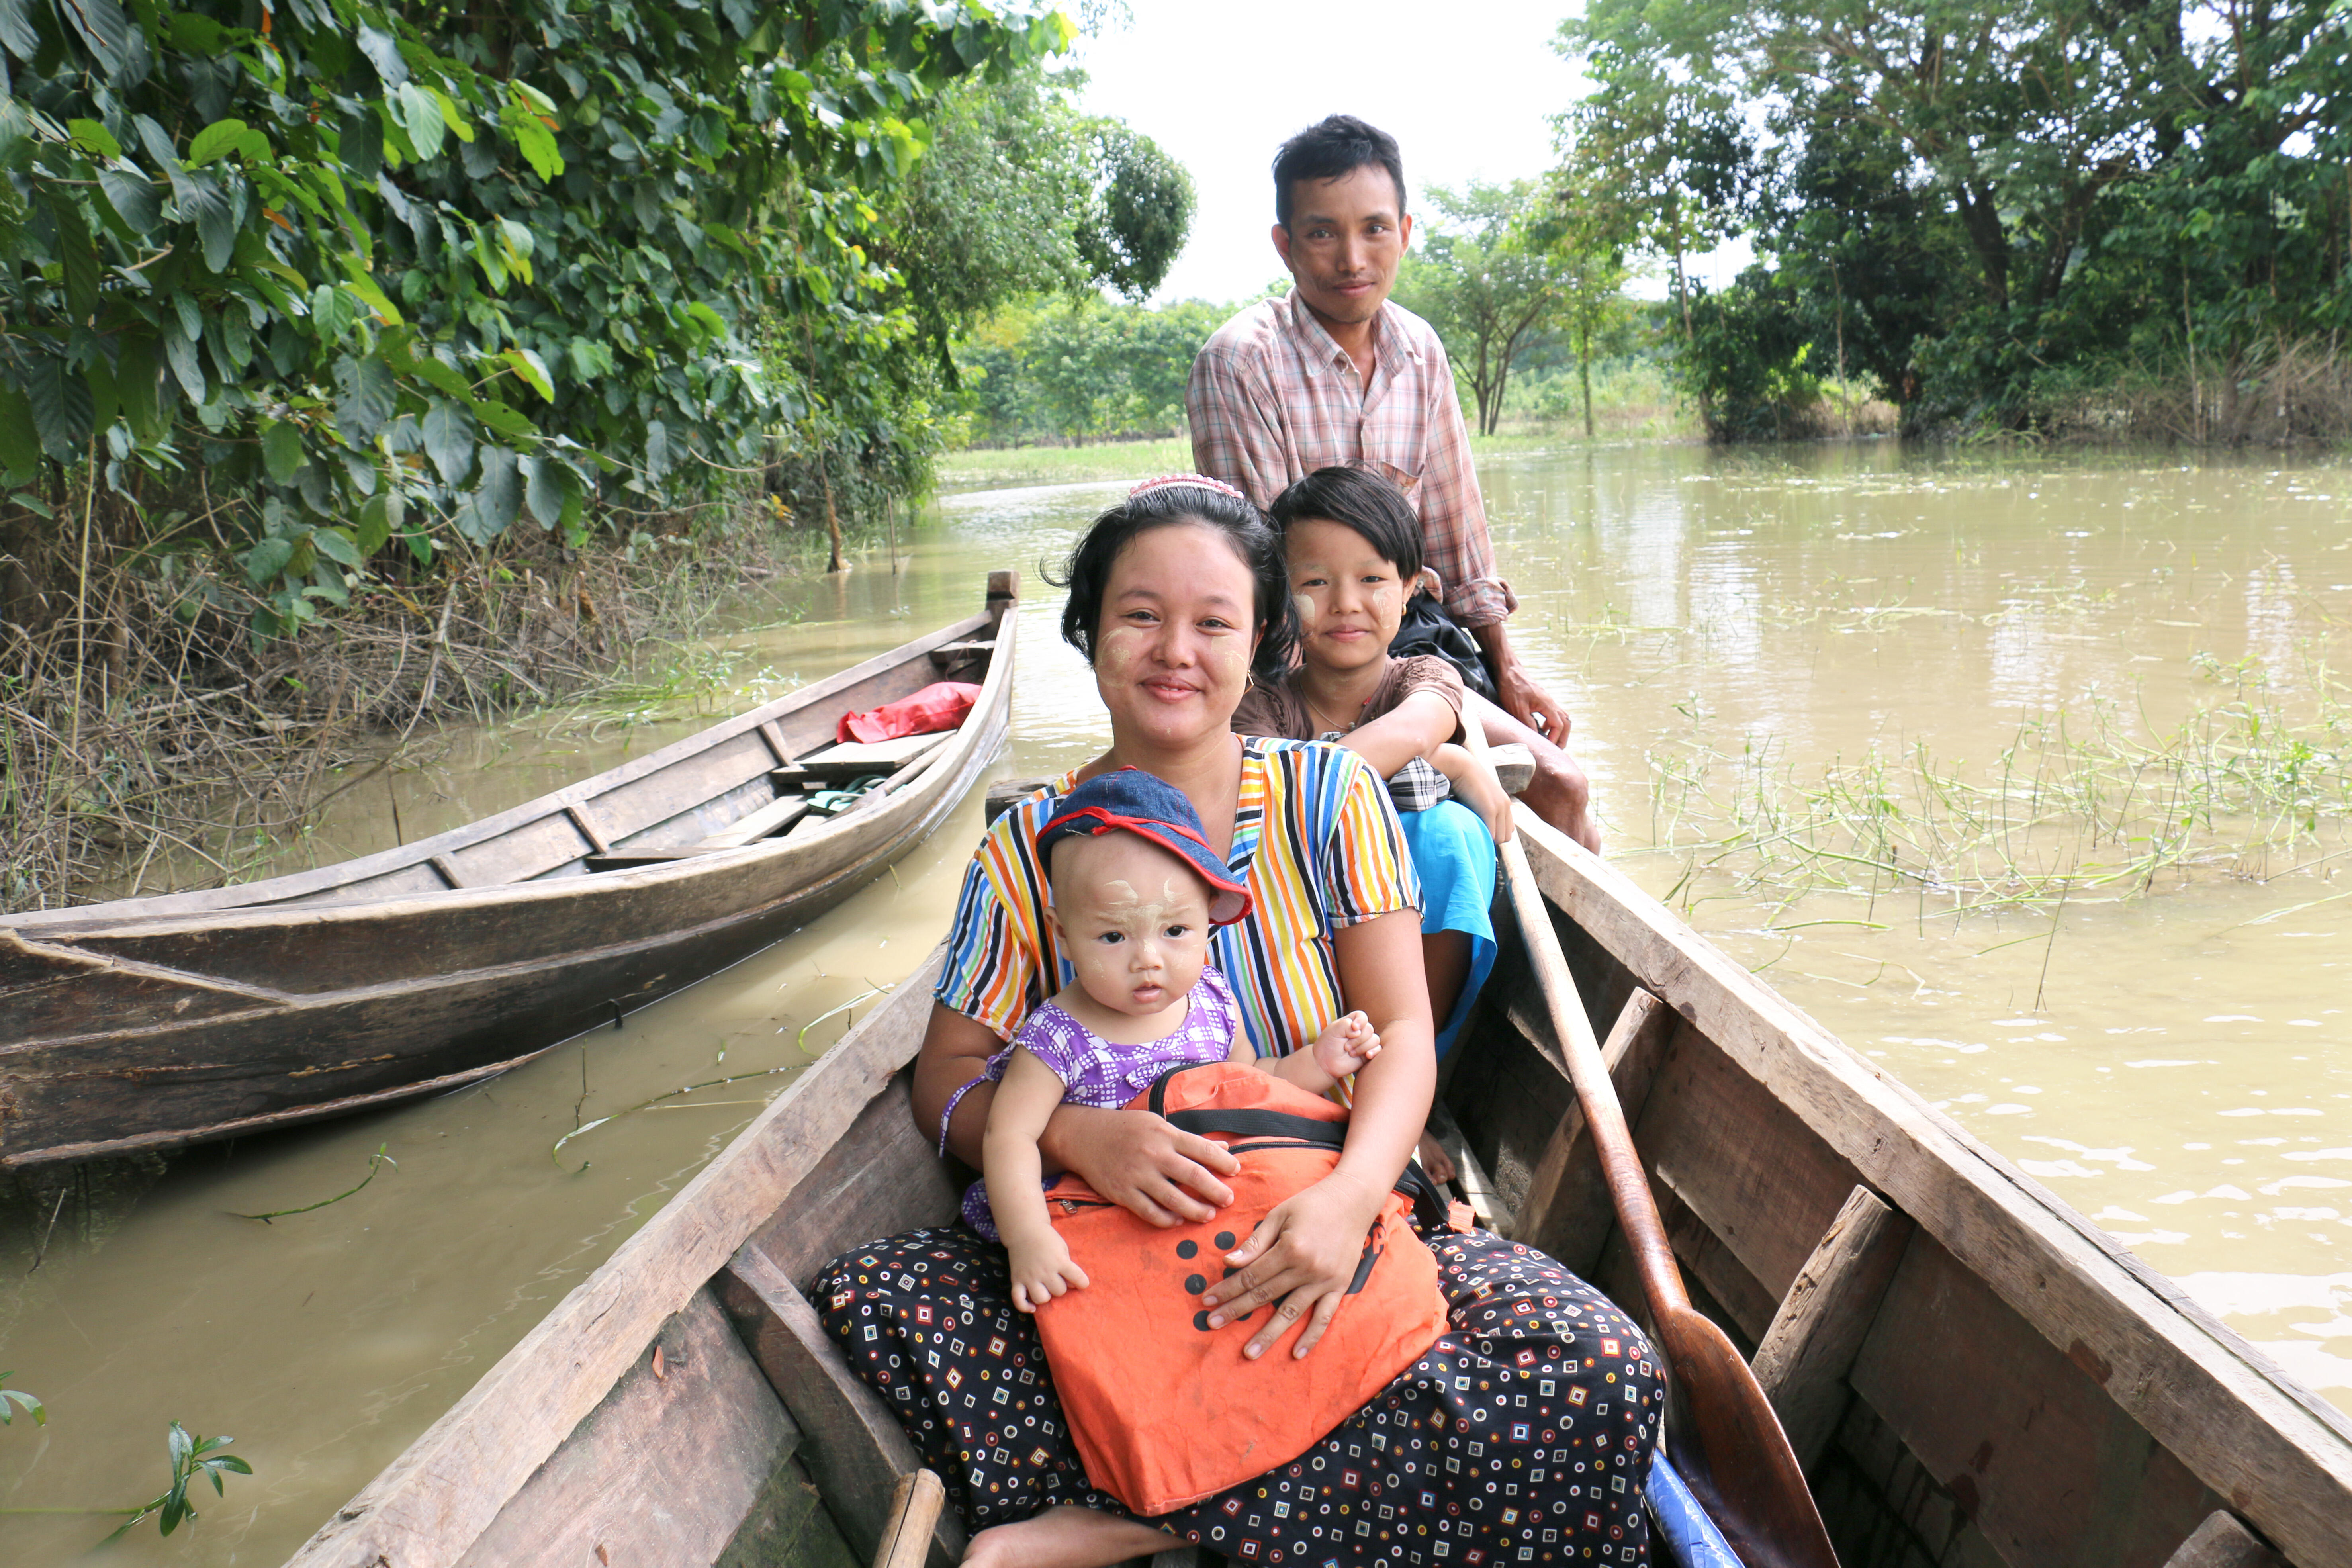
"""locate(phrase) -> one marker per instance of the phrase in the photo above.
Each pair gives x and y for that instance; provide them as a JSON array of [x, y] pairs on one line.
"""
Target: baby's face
[[1349, 596], [1134, 920]]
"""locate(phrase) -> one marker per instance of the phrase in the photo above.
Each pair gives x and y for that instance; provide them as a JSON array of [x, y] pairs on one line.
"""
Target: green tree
[[399, 277], [1489, 283]]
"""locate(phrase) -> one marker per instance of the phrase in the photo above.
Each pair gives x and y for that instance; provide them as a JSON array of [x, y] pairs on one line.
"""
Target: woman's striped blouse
[[1314, 836]]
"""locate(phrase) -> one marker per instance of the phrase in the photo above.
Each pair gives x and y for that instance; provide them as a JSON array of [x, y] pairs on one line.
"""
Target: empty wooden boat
[[153, 1022], [1972, 1372]]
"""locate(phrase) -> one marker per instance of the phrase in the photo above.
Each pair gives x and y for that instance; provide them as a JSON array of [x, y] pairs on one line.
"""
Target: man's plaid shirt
[[1273, 398]]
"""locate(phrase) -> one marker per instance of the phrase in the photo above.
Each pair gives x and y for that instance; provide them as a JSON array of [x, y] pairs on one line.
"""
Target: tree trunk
[[1584, 369], [832, 518]]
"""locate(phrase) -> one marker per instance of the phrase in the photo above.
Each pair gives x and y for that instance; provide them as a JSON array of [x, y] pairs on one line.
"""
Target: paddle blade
[[1743, 1469]]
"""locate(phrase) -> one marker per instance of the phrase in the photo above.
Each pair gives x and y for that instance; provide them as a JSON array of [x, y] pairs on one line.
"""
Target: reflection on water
[[2177, 1065]]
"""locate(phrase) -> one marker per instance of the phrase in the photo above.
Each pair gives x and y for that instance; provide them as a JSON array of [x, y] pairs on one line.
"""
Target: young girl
[[1136, 889], [1353, 546]]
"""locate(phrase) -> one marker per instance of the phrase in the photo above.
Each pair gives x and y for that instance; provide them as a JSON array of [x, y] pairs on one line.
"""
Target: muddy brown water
[[2177, 1062]]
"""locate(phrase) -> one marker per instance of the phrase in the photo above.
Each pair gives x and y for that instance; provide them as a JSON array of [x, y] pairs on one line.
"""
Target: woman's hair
[[1162, 504], [1363, 501]]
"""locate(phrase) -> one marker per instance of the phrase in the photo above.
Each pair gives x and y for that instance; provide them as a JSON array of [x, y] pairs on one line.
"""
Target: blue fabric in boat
[[1689, 1538], [1454, 856]]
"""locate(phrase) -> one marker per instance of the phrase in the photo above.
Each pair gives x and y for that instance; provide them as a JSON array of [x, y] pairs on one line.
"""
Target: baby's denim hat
[[1137, 802]]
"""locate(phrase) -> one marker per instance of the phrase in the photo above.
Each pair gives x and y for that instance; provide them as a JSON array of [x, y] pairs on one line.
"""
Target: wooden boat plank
[[882, 1178], [2222, 1541], [431, 1504], [856, 1450], [1567, 1202], [1809, 1347], [2242, 1426], [667, 1469], [912, 660], [774, 817], [2050, 1473]]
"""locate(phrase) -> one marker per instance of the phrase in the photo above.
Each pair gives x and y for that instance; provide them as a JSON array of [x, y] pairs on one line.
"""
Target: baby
[[1136, 889]]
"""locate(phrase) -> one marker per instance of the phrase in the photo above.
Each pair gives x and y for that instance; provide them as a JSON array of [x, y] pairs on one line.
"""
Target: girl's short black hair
[[1365, 502], [1087, 573]]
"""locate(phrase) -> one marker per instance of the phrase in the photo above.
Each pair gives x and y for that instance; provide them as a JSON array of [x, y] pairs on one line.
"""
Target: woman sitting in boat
[[1530, 1424], [1353, 548]]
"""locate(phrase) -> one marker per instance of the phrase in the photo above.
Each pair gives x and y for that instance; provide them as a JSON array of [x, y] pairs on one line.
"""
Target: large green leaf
[[281, 451], [499, 495], [77, 257], [105, 27], [62, 407], [365, 397], [213, 141], [20, 449], [16, 29], [449, 440], [133, 199]]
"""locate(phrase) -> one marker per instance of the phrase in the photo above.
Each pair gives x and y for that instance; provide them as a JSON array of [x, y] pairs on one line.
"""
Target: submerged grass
[[2091, 800]]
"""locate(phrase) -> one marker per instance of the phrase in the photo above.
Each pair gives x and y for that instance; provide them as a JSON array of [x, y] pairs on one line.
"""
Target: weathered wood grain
[[430, 1506], [2221, 1542], [1566, 1212], [856, 1448], [664, 1472], [914, 1510], [2273, 1451], [1813, 1338]]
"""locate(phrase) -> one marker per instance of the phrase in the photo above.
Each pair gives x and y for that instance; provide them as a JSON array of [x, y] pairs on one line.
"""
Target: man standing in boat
[[1334, 372]]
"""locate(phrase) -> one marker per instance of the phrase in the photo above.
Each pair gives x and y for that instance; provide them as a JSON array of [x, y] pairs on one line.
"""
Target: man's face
[[1343, 243]]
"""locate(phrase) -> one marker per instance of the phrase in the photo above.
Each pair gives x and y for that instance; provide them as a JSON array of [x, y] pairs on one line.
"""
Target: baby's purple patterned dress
[[1095, 1071]]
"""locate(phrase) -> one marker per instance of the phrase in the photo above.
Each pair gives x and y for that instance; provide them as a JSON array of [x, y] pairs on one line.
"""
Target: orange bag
[[1166, 1412], [938, 706]]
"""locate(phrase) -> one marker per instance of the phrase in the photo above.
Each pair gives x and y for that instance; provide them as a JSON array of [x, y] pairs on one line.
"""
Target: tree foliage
[[402, 273], [1487, 274], [1977, 198], [1080, 368]]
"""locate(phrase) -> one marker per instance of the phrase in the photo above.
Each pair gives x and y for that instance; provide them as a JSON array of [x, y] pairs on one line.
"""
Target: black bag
[[1428, 630]]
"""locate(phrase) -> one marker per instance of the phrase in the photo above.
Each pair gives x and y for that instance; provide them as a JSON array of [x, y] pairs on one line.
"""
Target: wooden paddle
[[1742, 1468], [914, 1510]]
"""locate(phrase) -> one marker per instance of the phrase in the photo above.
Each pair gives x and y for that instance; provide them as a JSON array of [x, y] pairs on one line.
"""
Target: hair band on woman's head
[[1191, 481]]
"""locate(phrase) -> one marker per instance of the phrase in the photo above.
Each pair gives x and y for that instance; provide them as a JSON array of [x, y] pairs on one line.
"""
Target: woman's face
[[1178, 628], [1348, 595]]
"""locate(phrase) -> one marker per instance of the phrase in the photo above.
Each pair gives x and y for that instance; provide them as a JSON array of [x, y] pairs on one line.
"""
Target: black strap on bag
[[1430, 630], [1429, 1205]]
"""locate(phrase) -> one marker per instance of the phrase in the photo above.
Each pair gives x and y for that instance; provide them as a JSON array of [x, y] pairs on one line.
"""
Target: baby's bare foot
[[1435, 1160]]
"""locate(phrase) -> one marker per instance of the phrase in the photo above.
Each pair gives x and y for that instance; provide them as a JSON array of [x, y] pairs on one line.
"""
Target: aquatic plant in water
[[2082, 799], [14, 1399], [193, 1455]]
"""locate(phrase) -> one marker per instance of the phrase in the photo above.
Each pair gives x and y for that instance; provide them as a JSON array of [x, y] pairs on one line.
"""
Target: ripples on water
[[2173, 1064]]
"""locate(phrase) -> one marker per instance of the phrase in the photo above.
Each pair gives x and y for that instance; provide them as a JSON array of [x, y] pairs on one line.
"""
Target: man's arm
[[1237, 423]]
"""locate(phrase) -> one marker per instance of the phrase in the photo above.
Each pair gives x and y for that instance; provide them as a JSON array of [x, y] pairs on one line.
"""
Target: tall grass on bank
[[142, 731], [2089, 800]]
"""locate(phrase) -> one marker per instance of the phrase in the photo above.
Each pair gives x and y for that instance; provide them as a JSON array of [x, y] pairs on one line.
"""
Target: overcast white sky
[[1468, 89]]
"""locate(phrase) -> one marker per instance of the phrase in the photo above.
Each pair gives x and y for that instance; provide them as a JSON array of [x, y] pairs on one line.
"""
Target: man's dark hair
[[1332, 149], [1087, 573], [1366, 502]]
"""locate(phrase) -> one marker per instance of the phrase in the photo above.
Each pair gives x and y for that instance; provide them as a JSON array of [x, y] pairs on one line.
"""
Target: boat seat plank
[[2048, 1467], [1809, 1348], [961, 653], [1566, 1211], [767, 821], [856, 1448], [665, 1471], [2223, 1541], [853, 759]]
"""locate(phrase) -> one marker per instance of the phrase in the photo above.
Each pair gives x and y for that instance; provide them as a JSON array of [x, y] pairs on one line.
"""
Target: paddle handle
[[1612, 1141], [914, 1510]]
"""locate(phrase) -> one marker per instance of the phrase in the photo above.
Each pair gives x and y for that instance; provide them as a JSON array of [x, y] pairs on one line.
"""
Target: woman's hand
[[1303, 1256], [1142, 1162]]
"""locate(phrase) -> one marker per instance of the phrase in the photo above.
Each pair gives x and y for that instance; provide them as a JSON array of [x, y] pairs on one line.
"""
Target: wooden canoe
[[148, 1022], [1972, 1372]]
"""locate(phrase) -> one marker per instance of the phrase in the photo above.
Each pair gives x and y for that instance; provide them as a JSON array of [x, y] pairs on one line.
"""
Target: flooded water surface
[[2022, 774]]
